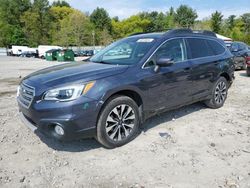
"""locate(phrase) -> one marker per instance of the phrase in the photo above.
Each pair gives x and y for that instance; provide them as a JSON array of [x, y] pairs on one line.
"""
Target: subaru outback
[[112, 95]]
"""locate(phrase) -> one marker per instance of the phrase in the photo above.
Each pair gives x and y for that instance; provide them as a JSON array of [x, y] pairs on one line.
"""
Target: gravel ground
[[190, 147]]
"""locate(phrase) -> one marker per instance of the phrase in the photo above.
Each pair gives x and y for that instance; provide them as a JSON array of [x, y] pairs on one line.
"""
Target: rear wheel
[[219, 94], [118, 122], [248, 71], [244, 67]]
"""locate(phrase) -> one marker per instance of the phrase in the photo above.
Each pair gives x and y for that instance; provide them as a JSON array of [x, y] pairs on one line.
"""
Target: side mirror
[[164, 62]]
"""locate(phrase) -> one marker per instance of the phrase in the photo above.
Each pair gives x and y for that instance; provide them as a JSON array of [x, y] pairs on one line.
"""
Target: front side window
[[174, 49]]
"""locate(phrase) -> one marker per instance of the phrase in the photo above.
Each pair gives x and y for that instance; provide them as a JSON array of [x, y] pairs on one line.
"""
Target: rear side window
[[216, 47], [199, 48]]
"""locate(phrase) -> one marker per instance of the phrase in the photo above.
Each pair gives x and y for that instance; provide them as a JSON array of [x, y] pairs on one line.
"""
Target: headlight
[[67, 93]]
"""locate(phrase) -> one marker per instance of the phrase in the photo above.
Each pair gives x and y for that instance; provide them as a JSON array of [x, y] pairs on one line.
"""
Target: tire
[[244, 67], [248, 71], [219, 94], [118, 122]]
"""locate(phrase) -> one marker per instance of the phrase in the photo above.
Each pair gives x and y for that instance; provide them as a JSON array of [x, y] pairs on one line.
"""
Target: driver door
[[171, 85]]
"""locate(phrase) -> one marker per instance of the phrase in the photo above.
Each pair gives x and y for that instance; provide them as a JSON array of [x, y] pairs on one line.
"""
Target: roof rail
[[189, 31], [179, 31], [139, 33], [205, 32]]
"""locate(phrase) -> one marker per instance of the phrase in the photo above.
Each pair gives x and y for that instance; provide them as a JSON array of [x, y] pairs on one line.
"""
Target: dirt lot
[[190, 147]]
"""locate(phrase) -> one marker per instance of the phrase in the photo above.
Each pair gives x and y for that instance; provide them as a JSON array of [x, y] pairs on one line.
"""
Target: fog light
[[59, 130]]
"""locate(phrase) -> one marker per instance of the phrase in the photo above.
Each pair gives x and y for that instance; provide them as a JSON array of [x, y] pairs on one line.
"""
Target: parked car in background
[[240, 51], [89, 52], [110, 97], [17, 50], [29, 54]]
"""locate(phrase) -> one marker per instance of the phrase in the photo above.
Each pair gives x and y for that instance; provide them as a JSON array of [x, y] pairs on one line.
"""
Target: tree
[[10, 25], [170, 16], [75, 30], [216, 21], [105, 38], [101, 20], [231, 22], [185, 16], [246, 20], [133, 24], [157, 20], [60, 4], [36, 23], [57, 14]]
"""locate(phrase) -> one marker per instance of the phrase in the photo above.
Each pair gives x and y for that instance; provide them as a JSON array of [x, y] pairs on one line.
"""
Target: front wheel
[[118, 122], [219, 94]]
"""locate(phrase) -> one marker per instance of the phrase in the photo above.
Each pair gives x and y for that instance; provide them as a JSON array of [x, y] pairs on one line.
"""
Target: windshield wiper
[[102, 62]]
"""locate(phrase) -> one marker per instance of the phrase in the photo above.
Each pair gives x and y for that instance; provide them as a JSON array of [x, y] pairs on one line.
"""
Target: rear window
[[216, 47], [199, 48], [204, 48]]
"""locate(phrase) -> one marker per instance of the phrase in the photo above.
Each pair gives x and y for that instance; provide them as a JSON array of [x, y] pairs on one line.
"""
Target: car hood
[[74, 72]]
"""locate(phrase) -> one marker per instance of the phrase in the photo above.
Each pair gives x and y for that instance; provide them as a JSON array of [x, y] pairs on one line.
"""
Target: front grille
[[26, 95]]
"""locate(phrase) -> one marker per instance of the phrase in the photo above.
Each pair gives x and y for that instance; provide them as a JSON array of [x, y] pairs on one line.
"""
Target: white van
[[17, 50]]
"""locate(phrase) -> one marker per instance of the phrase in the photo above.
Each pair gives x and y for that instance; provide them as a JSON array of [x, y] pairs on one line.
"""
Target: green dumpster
[[65, 55], [51, 55]]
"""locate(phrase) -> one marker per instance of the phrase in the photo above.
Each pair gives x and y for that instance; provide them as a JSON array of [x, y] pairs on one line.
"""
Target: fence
[[3, 51]]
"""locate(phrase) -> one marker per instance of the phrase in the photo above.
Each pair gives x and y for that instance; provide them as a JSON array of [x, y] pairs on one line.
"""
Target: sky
[[126, 8]]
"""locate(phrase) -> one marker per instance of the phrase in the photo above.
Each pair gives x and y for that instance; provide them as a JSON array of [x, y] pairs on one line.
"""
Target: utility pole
[[93, 37]]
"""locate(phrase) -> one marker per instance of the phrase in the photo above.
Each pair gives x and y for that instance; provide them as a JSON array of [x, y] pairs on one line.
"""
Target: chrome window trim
[[143, 66]]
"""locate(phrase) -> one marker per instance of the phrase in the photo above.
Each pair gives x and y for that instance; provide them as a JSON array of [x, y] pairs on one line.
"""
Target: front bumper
[[77, 119]]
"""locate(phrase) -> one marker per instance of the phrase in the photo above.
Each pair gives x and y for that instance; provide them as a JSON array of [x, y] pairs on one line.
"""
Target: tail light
[[248, 60]]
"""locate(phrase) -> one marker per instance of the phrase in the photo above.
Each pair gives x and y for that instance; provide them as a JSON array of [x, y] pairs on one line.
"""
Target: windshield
[[124, 52]]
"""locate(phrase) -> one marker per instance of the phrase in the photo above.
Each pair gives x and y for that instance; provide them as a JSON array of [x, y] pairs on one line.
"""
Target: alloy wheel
[[120, 122], [220, 92]]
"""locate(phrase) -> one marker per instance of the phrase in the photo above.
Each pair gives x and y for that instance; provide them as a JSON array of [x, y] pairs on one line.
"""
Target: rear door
[[205, 64]]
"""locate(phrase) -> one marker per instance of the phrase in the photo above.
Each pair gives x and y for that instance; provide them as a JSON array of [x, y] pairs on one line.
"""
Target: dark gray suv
[[111, 96]]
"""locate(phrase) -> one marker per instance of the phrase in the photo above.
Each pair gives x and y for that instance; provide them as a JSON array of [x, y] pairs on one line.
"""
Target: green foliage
[[75, 30], [57, 15], [231, 22], [216, 21], [10, 25], [185, 16], [246, 20], [158, 21], [36, 22], [133, 24], [101, 20], [60, 4]]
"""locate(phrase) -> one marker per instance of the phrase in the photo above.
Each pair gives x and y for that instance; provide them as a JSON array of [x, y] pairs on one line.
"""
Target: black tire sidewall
[[248, 71], [215, 104], [101, 126]]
